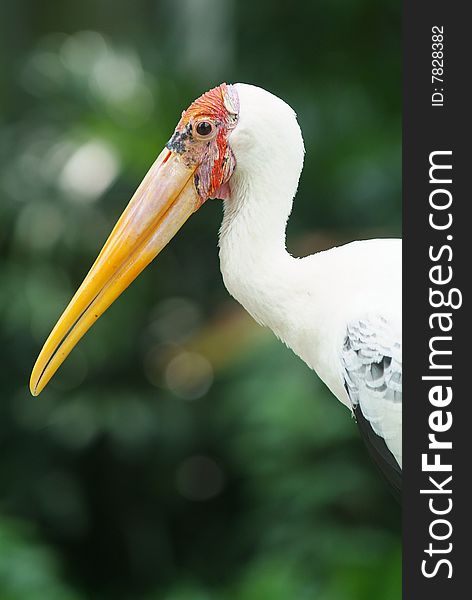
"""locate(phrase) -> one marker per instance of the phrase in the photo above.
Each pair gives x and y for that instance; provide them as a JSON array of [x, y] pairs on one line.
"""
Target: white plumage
[[312, 304]]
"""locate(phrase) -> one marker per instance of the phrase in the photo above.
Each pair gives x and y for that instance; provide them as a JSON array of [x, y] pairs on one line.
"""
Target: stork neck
[[254, 225], [260, 203], [257, 270]]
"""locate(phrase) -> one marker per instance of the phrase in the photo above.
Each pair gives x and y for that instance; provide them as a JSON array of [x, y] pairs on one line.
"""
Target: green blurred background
[[182, 453]]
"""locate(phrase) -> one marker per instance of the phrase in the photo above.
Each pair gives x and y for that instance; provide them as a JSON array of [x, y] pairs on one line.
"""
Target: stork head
[[201, 139], [196, 164]]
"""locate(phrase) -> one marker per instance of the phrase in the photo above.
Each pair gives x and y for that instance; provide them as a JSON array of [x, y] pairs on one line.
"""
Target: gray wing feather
[[372, 369]]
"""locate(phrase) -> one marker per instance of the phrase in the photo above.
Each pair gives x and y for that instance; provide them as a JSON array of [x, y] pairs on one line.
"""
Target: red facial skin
[[220, 108]]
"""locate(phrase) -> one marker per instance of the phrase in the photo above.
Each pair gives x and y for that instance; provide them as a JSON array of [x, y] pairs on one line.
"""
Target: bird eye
[[204, 128]]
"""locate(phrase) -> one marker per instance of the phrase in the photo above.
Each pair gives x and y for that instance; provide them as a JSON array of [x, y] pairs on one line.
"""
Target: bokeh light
[[189, 375], [199, 478]]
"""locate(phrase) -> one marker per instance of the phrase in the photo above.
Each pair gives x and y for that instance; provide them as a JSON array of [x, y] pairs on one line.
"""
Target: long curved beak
[[160, 206]]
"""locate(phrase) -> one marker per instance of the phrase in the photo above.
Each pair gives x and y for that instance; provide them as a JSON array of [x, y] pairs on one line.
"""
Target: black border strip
[[428, 128]]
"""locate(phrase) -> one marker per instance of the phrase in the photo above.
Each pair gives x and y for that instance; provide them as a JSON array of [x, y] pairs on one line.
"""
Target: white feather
[[307, 302]]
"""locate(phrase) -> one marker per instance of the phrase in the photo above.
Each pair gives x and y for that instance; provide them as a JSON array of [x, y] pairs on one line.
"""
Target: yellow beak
[[160, 206]]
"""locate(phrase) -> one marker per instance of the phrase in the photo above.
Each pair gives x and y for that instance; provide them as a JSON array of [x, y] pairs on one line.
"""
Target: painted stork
[[339, 310]]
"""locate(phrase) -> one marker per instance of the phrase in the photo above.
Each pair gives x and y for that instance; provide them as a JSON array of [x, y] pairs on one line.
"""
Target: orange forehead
[[218, 104]]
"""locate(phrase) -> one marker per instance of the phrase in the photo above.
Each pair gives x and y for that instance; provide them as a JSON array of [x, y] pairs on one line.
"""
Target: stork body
[[339, 310], [310, 303]]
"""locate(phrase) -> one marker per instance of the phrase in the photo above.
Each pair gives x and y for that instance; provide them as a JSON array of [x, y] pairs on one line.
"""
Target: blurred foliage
[[181, 452]]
